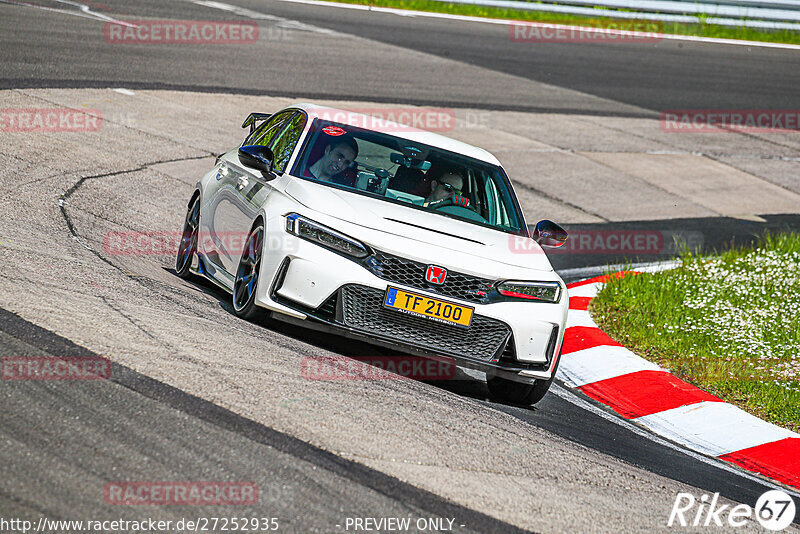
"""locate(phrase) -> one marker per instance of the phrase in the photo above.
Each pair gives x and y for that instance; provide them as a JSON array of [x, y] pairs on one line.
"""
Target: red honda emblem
[[435, 275]]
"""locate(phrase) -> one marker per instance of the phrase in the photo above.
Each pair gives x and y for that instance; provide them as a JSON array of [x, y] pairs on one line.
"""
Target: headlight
[[540, 291], [322, 235]]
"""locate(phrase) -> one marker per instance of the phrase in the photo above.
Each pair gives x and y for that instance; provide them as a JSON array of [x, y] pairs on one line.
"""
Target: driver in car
[[338, 156], [447, 186]]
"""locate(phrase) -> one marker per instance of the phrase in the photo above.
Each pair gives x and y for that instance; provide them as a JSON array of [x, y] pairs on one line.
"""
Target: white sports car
[[392, 235]]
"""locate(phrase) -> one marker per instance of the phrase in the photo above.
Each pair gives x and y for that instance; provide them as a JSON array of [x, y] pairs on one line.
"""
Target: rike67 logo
[[774, 510]]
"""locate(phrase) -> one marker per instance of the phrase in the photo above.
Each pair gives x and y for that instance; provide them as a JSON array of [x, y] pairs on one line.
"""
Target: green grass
[[729, 324], [703, 30]]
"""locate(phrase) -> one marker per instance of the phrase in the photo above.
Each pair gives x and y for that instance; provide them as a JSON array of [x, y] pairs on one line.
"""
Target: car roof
[[353, 118]]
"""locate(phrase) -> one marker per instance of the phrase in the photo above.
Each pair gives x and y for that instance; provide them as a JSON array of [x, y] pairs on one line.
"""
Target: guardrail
[[764, 14]]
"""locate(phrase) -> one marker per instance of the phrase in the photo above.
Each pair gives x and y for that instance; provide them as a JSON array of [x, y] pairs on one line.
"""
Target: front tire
[[513, 392], [518, 393], [246, 281], [188, 244]]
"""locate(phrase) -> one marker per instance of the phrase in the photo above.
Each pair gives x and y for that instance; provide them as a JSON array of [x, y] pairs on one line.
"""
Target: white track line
[[465, 18], [85, 11], [257, 15]]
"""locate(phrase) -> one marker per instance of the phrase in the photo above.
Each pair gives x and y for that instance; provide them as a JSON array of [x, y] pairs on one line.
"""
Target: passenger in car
[[334, 164]]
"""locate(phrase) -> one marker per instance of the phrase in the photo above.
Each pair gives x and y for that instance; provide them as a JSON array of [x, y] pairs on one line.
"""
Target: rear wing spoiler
[[254, 119]]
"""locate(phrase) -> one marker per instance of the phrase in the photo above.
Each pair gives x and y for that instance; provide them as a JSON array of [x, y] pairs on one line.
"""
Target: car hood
[[417, 225]]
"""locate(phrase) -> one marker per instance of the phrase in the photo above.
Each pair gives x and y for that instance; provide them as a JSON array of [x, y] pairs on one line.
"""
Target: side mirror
[[549, 234], [257, 157]]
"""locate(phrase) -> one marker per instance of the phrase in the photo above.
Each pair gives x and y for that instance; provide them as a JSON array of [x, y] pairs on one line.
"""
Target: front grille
[[364, 311], [412, 273]]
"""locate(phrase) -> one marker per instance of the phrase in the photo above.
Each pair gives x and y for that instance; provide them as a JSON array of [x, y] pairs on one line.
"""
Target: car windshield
[[410, 173]]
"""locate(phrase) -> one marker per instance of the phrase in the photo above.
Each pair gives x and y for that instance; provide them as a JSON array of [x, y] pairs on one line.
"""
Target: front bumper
[[317, 288]]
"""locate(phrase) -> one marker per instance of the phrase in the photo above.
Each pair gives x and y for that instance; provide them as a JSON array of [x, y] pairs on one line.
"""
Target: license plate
[[429, 308]]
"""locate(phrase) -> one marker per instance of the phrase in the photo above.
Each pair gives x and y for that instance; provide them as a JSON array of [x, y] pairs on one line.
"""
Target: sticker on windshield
[[333, 130]]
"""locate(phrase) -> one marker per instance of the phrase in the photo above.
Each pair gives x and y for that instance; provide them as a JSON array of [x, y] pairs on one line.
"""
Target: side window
[[496, 209], [283, 145], [265, 133]]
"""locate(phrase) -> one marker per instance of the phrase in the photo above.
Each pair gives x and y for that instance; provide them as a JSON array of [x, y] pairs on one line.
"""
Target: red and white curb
[[646, 394]]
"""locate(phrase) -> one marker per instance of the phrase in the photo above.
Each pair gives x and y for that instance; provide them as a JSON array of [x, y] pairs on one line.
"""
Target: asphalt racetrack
[[198, 395]]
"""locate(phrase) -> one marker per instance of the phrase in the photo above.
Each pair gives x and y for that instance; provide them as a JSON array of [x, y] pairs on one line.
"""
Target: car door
[[222, 220], [253, 190]]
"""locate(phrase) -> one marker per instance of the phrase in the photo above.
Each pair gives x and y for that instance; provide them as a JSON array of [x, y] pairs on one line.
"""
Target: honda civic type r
[[388, 234]]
